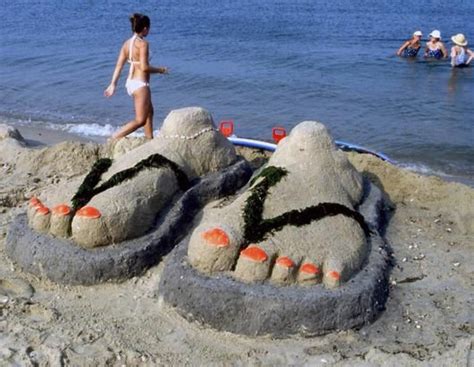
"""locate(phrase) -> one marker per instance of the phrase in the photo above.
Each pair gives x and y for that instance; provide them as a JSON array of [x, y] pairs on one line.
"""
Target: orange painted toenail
[[217, 237], [61, 210], [88, 212], [285, 262], [309, 268], [38, 206], [34, 201], [334, 274], [42, 210], [254, 253]]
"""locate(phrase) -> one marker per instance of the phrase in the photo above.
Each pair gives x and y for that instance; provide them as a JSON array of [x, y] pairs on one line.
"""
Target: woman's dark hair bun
[[139, 22]]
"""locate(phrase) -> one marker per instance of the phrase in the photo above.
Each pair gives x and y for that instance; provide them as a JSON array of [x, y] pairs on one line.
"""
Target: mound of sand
[[453, 200], [428, 317]]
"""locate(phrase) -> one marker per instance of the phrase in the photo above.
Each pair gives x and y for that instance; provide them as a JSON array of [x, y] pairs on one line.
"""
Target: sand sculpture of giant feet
[[118, 219], [297, 251]]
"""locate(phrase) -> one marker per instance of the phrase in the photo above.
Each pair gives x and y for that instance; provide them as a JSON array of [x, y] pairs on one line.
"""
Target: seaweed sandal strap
[[256, 228], [88, 188], [84, 193]]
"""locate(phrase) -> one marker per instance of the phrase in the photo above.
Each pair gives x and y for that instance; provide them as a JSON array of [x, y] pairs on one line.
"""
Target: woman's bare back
[[138, 45]]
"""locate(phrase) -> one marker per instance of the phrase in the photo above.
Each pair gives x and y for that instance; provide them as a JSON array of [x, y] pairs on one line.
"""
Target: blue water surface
[[261, 63]]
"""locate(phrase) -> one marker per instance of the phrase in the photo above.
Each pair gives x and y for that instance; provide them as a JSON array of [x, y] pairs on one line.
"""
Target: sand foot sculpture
[[121, 217], [295, 223], [298, 251], [120, 199]]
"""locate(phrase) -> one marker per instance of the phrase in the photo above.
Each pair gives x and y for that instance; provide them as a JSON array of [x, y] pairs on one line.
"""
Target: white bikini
[[133, 84]]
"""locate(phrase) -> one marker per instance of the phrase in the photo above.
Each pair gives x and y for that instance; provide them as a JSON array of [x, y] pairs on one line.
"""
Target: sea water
[[260, 63]]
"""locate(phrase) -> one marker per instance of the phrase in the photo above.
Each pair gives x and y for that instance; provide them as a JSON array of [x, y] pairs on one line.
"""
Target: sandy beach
[[428, 319]]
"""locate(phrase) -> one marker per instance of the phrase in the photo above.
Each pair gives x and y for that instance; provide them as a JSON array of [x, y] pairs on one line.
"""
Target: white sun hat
[[418, 33], [435, 34], [459, 39]]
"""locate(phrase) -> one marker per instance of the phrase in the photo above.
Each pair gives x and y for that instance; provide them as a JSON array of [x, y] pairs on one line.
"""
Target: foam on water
[[428, 171], [423, 169], [88, 129], [93, 130]]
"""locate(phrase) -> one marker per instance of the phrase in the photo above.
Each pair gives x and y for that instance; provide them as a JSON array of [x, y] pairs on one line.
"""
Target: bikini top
[[130, 54]]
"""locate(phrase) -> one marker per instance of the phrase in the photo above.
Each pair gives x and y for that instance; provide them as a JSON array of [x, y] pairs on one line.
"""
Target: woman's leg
[[142, 101], [149, 123]]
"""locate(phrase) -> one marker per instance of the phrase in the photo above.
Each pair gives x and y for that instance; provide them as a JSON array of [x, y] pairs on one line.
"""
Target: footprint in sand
[[121, 200], [39, 314], [15, 288], [296, 222]]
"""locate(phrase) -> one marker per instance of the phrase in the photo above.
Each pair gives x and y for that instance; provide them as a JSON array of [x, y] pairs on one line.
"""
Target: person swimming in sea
[[461, 56], [411, 47], [435, 48], [135, 51]]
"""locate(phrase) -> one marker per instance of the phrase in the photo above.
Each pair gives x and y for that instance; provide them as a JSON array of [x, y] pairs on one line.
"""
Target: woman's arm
[[144, 64], [404, 46], [121, 60], [426, 50], [471, 56], [444, 51], [453, 56]]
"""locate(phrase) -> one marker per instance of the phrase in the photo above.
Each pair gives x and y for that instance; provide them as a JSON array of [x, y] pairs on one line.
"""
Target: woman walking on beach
[[411, 47], [435, 49], [136, 52], [461, 56]]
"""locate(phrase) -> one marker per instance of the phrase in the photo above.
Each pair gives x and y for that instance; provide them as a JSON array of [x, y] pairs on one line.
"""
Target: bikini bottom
[[133, 84]]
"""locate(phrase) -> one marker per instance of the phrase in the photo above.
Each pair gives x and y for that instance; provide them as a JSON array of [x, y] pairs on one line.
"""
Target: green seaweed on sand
[[256, 228], [253, 210], [82, 195], [87, 190]]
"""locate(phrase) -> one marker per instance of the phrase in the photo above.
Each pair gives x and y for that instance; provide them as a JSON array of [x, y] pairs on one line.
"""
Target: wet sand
[[427, 322]]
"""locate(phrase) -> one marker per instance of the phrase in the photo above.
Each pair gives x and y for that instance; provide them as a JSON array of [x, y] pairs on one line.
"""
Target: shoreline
[[426, 320], [41, 137], [38, 137]]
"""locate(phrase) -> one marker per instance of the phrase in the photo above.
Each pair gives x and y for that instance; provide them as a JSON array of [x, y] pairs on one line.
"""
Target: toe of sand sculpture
[[113, 222], [297, 252]]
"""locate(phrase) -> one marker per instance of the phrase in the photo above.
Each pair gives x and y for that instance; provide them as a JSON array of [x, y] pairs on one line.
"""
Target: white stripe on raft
[[252, 143], [258, 144]]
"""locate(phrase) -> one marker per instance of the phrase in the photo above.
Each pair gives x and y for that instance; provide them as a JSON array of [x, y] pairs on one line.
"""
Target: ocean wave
[[423, 169], [93, 130], [430, 171], [87, 129]]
